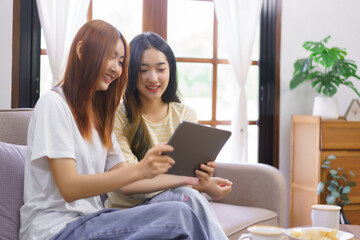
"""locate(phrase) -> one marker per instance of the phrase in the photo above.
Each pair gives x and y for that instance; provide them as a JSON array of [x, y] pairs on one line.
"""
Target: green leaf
[[330, 199], [301, 72], [346, 190], [331, 188], [335, 194], [297, 80], [318, 88], [346, 202], [336, 81], [320, 187], [352, 173], [314, 47], [345, 68], [331, 157], [302, 66], [330, 84], [325, 166], [315, 82], [326, 39], [349, 84], [334, 182], [327, 57], [351, 184], [333, 172], [338, 52]]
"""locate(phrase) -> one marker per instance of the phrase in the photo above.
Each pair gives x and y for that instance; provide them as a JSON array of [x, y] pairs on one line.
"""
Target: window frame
[[26, 54], [26, 65], [152, 10]]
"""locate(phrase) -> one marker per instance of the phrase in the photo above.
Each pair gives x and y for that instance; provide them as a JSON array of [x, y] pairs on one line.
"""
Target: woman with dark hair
[[73, 156], [147, 117]]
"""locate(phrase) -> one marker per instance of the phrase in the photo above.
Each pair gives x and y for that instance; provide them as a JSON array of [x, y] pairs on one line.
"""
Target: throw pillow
[[12, 159]]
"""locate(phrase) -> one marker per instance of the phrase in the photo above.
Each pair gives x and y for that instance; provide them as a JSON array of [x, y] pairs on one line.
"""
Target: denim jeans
[[199, 204], [156, 221]]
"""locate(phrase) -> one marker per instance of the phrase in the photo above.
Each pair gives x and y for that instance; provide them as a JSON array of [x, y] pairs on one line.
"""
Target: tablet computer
[[195, 144]]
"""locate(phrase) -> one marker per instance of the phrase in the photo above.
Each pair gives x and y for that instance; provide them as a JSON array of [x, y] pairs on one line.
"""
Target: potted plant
[[338, 185], [327, 69]]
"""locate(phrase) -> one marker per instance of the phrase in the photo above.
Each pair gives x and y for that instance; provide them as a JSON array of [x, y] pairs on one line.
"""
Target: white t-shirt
[[53, 133]]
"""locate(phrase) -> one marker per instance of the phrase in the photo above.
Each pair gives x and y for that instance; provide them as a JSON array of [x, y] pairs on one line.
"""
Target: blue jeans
[[157, 221], [199, 204]]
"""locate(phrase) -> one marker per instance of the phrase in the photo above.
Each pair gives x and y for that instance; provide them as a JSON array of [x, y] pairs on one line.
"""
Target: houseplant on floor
[[336, 186], [327, 69]]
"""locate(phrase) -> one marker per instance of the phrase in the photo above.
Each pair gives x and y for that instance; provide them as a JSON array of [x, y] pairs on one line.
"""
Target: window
[[123, 14], [129, 22], [203, 70], [205, 76]]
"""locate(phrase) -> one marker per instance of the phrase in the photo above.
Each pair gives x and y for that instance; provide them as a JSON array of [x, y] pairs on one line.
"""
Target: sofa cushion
[[12, 159], [235, 219]]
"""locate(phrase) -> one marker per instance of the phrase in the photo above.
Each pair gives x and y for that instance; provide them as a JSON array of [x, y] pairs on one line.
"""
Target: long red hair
[[99, 40]]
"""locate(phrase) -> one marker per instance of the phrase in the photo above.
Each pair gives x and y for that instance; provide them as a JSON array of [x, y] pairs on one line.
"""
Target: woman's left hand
[[205, 174], [215, 187], [208, 169]]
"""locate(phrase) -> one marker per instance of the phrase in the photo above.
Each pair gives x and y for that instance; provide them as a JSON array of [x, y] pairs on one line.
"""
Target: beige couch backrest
[[14, 124]]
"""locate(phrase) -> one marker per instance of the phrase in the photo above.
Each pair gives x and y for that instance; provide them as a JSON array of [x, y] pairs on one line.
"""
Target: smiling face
[[113, 68], [153, 76]]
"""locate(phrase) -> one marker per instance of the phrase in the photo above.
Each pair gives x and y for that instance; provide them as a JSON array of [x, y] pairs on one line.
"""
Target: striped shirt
[[159, 132]]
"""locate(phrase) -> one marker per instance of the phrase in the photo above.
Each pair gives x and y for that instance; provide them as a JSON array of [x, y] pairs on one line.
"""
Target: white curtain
[[60, 21], [239, 19]]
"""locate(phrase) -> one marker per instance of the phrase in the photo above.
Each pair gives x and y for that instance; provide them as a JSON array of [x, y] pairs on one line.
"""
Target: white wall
[[313, 20], [5, 52]]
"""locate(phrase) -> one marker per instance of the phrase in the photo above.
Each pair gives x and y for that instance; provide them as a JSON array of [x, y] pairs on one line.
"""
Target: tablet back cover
[[195, 144]]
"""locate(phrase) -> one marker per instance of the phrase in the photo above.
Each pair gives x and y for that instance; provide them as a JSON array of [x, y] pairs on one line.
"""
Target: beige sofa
[[258, 195]]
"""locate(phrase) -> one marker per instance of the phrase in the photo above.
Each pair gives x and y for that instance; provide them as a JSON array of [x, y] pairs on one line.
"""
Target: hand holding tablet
[[195, 144]]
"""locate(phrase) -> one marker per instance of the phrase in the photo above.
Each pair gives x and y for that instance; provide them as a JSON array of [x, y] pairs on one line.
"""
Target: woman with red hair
[[73, 156]]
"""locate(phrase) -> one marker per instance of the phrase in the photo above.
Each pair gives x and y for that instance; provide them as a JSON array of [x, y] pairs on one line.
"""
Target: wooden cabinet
[[312, 140]]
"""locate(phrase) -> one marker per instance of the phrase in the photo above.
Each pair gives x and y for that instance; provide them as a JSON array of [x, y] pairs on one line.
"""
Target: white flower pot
[[326, 107]]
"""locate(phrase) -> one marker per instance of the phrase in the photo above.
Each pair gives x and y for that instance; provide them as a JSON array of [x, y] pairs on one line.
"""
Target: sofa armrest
[[14, 125], [255, 185]]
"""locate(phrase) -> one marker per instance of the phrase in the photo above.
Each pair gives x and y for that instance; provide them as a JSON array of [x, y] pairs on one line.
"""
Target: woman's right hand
[[154, 163]]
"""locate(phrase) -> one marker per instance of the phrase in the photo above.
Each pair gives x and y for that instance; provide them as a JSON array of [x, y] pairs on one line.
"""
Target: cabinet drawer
[[340, 135], [352, 212]]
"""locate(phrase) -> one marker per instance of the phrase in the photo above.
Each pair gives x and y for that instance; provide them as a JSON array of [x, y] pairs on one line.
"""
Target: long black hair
[[135, 131]]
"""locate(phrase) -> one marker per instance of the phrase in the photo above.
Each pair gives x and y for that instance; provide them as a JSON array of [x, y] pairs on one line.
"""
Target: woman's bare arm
[[73, 186], [158, 183]]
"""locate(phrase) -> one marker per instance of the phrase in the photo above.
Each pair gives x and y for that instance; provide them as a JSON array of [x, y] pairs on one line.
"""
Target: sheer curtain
[[239, 19], [60, 21]]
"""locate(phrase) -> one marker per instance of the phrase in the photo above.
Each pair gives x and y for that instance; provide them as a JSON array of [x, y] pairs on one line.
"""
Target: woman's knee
[[176, 206], [190, 193]]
